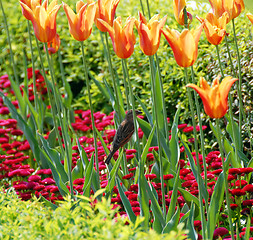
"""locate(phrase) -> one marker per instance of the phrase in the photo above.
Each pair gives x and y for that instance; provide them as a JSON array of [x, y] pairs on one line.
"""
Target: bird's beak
[[138, 112]]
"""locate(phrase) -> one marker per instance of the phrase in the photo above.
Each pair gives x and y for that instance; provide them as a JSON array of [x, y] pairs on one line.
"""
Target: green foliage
[[34, 220]]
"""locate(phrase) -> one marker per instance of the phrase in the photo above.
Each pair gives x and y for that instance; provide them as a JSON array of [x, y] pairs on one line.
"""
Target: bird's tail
[[108, 159]]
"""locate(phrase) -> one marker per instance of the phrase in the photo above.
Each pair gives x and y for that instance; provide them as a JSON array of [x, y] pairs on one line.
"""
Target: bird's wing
[[123, 134]]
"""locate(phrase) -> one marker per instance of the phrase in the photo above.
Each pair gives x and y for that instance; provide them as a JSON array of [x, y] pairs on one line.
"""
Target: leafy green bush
[[34, 220]]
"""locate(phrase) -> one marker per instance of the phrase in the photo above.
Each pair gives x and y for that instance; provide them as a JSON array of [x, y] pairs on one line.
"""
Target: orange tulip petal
[[250, 17], [26, 11]]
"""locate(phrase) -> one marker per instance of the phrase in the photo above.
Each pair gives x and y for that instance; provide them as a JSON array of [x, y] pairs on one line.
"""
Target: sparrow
[[123, 134]]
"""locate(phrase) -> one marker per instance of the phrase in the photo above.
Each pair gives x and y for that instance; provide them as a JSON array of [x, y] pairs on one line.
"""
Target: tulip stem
[[239, 85], [91, 109], [230, 108], [163, 100], [125, 76], [197, 154], [117, 102], [229, 56], [142, 8], [62, 115], [218, 55], [152, 70], [200, 128], [149, 14], [124, 62], [225, 176], [51, 99], [33, 73]]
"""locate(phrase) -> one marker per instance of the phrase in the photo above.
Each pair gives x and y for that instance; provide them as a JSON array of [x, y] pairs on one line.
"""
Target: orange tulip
[[184, 45], [232, 7], [150, 33], [250, 17], [43, 18], [215, 98], [123, 39], [215, 28], [178, 6], [106, 11], [54, 45], [31, 4], [80, 24]]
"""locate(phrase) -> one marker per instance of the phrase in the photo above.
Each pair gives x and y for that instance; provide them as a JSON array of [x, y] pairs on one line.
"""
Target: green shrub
[[33, 220]]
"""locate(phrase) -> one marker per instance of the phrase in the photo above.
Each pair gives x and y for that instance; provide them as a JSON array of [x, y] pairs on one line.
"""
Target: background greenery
[[34, 220]]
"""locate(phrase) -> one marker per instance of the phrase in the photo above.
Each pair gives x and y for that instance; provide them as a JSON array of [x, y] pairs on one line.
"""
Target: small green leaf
[[215, 205], [88, 177], [190, 224], [126, 203]]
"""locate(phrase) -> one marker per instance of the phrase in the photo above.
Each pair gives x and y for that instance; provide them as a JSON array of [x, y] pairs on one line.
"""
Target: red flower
[[168, 176], [234, 171], [48, 181], [188, 129], [248, 188], [221, 231], [247, 203], [133, 196], [238, 192], [246, 170], [79, 181], [233, 206], [240, 183], [128, 176], [150, 176]]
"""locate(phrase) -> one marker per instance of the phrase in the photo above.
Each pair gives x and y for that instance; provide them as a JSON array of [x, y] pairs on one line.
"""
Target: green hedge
[[34, 220]]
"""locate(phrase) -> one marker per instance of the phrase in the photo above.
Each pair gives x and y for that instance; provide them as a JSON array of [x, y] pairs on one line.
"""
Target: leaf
[[195, 171], [143, 200], [146, 128], [156, 209], [88, 177], [247, 232], [68, 96], [190, 224], [56, 174], [113, 172], [174, 196], [52, 138], [215, 204], [55, 158], [147, 146], [237, 139], [78, 171], [148, 115], [47, 203], [159, 105], [172, 223], [126, 203], [190, 198], [85, 161], [173, 145], [229, 149]]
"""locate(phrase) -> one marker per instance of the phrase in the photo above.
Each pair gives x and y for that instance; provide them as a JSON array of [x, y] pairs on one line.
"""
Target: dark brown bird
[[123, 134]]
